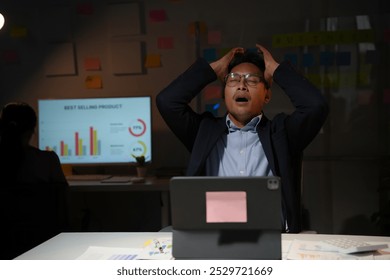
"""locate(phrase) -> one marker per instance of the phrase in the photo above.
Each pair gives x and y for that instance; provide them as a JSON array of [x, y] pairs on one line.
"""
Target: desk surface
[[69, 246]]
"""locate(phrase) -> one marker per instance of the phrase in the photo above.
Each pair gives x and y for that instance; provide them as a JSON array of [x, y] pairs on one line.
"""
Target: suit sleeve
[[173, 101]]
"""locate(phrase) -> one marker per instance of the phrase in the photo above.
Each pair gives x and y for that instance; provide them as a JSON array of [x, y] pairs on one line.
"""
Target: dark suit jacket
[[283, 138]]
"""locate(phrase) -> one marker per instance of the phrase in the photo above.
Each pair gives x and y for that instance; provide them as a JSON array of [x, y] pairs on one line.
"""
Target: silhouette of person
[[21, 162], [33, 186]]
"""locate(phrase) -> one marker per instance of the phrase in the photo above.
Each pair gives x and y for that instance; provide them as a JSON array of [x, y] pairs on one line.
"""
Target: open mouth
[[241, 99]]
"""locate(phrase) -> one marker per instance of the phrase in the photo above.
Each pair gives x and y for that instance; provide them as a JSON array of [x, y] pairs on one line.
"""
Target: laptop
[[226, 217]]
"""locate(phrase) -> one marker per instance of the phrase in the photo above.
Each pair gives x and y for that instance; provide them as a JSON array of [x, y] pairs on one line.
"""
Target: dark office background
[[346, 170]]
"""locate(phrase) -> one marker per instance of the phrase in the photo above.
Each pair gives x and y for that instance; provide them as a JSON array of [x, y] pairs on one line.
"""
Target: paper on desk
[[285, 248], [110, 253], [157, 249], [153, 249], [310, 250]]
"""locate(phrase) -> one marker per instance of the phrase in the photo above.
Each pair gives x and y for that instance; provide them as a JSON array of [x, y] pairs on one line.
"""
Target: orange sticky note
[[153, 61], [93, 82]]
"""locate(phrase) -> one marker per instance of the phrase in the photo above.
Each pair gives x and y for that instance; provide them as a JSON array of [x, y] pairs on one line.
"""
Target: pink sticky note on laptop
[[226, 207]]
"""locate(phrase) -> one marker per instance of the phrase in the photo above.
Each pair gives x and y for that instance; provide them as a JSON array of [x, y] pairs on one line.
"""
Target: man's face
[[245, 99]]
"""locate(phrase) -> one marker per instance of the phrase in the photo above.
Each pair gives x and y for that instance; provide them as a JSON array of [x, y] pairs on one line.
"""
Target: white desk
[[69, 246]]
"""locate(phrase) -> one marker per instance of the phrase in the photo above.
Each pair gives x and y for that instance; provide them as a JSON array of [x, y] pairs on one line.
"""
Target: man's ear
[[268, 95]]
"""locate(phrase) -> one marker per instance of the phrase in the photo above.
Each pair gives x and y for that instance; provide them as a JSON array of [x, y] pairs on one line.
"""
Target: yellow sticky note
[[93, 82], [18, 32], [153, 61]]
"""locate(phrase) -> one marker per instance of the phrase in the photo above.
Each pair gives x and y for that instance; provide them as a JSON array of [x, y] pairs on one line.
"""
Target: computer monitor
[[96, 130]]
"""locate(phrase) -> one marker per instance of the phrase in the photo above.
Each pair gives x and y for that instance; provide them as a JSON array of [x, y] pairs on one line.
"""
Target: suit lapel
[[209, 132], [264, 132]]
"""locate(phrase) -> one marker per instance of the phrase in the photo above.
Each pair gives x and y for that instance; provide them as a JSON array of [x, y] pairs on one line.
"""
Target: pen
[[158, 245]]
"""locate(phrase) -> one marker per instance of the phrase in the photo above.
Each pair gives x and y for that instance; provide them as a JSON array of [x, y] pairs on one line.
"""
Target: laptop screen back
[[208, 209]]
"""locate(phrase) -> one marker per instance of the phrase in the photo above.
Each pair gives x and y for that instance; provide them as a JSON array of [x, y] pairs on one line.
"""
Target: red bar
[[91, 141], [62, 148]]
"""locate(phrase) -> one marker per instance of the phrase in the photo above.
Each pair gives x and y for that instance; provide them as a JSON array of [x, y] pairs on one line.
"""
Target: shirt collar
[[250, 126]]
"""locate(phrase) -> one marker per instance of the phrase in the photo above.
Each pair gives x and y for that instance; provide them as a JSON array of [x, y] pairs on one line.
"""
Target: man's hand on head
[[220, 66], [270, 63]]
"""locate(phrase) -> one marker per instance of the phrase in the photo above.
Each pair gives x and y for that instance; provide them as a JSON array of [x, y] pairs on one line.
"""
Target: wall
[[343, 166]]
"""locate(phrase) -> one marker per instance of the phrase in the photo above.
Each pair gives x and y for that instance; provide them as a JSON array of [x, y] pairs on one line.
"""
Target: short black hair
[[19, 115], [249, 56]]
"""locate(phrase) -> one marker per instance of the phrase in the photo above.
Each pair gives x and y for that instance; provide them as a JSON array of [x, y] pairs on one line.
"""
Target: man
[[245, 142]]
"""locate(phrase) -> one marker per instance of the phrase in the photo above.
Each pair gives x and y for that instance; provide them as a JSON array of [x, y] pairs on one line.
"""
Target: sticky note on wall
[[92, 64], [307, 60], [18, 32], [386, 96], [165, 43], [212, 92], [210, 54], [157, 15], [85, 9], [93, 82], [153, 61], [10, 56], [327, 58], [214, 37]]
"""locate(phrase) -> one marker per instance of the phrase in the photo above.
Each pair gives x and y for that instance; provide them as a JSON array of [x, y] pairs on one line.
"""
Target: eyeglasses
[[252, 80]]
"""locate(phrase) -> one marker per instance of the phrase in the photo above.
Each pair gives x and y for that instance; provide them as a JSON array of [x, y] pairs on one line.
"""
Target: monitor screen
[[96, 130]]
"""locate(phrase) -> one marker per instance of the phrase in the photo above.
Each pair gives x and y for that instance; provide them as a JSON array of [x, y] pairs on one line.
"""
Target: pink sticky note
[[214, 37], [157, 15], [386, 96], [10, 56], [165, 42], [85, 9], [364, 97], [386, 35], [226, 207], [212, 92]]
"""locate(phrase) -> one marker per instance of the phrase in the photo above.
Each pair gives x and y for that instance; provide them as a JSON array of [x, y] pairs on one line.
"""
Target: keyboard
[[349, 246], [87, 177], [123, 179]]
